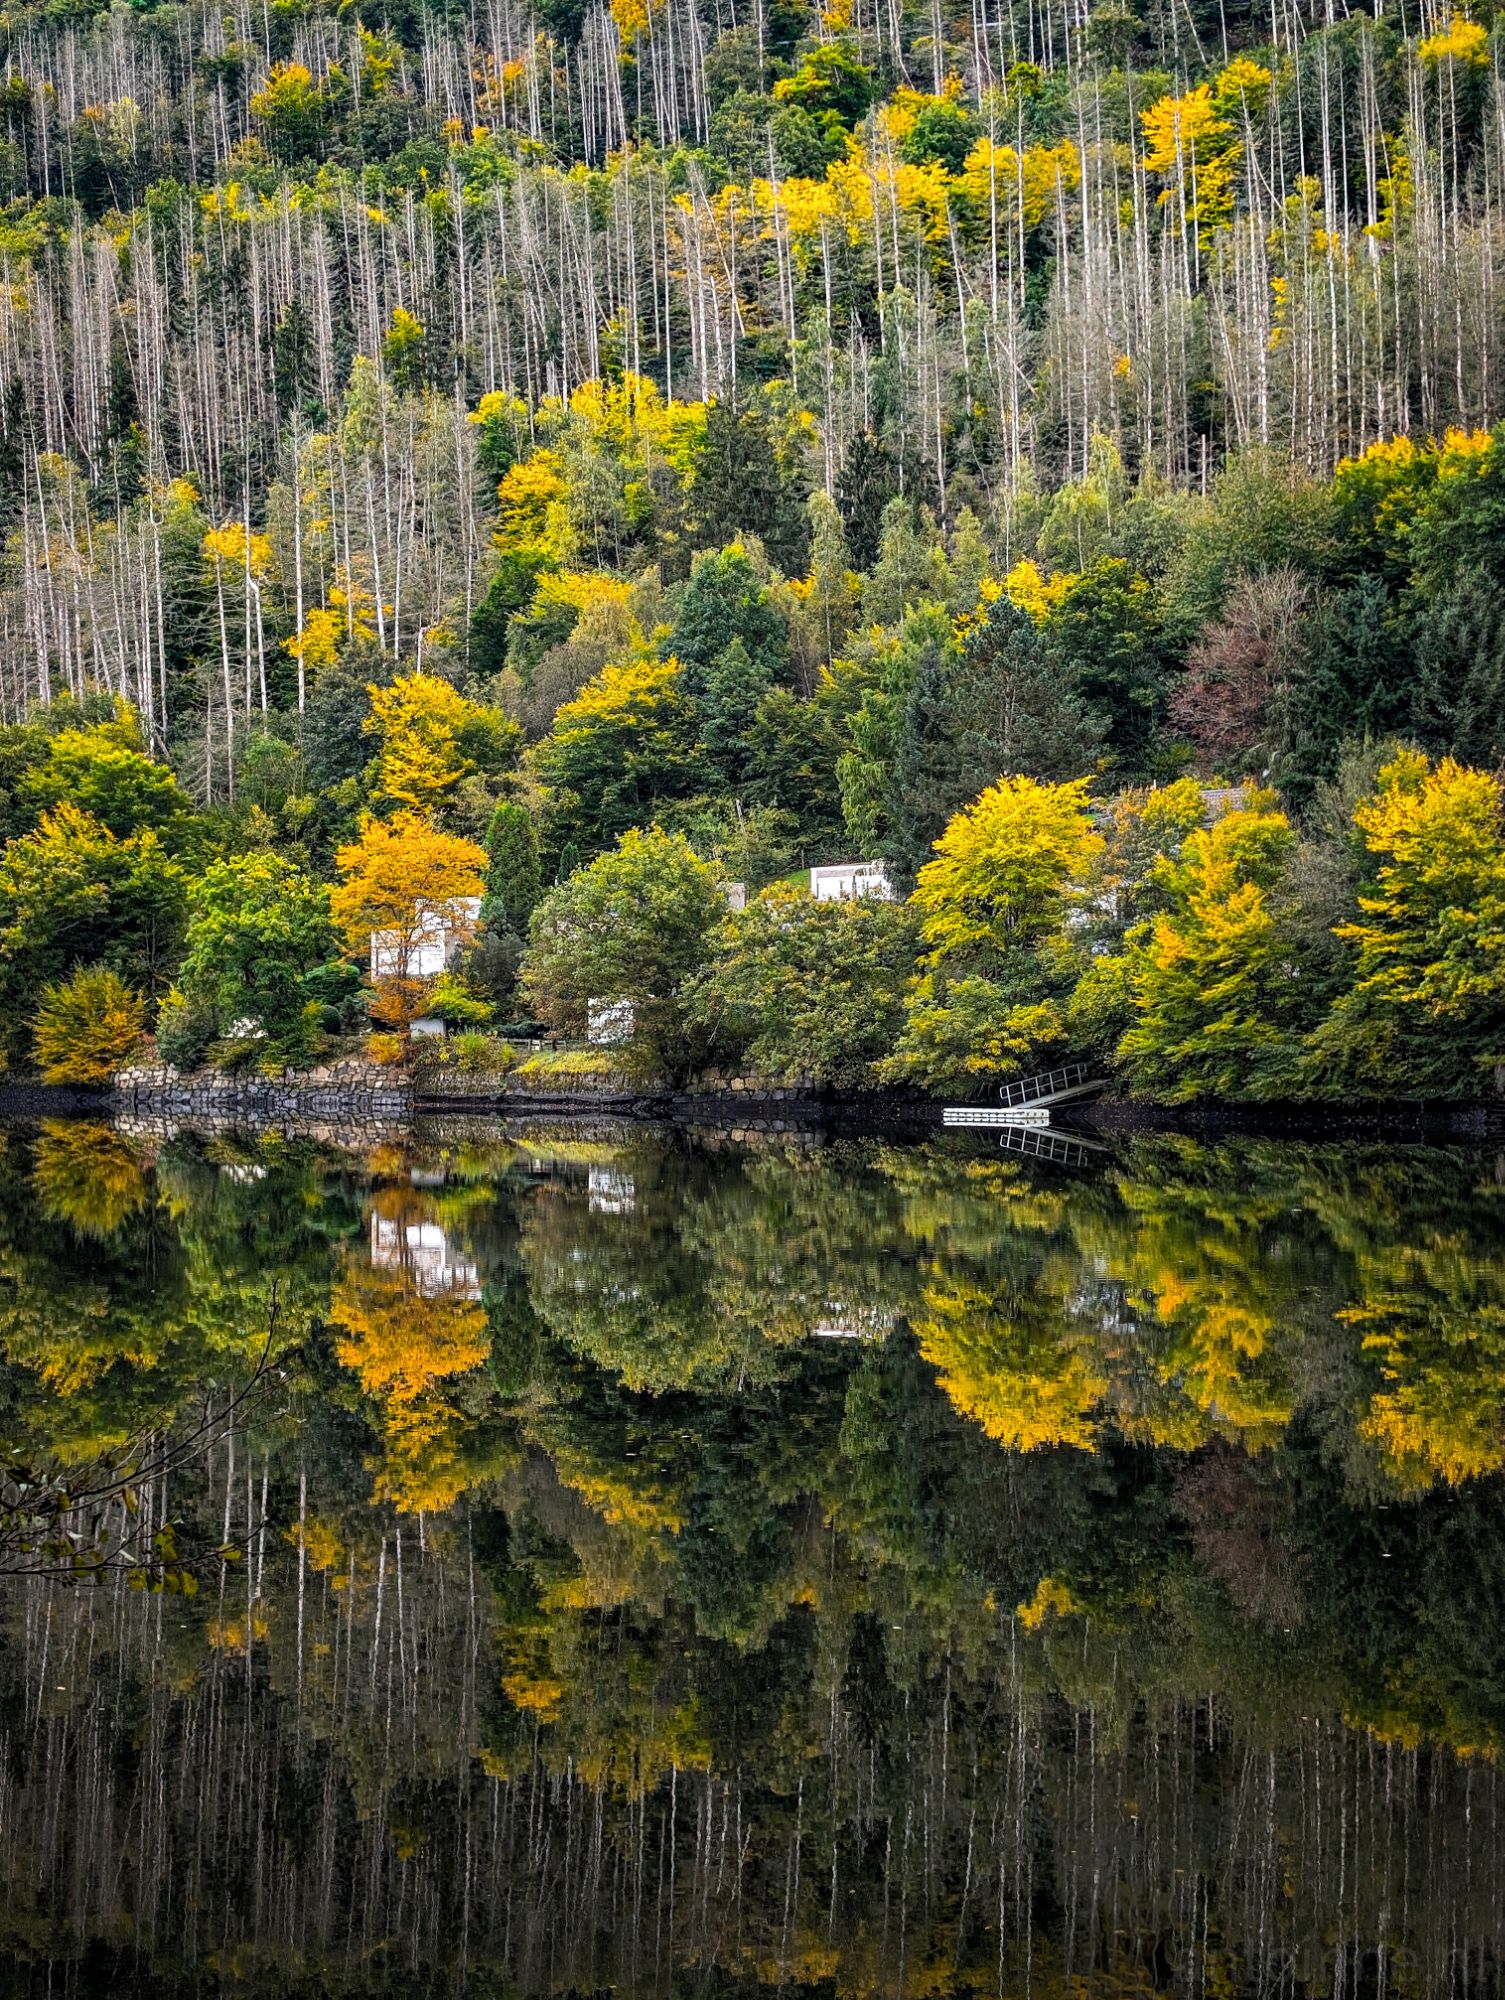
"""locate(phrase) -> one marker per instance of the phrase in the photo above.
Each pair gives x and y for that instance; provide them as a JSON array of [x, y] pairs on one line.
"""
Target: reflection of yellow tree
[[997, 1317], [1434, 1318], [402, 1346], [1192, 1256], [87, 1175], [1007, 1361], [1155, 1298]]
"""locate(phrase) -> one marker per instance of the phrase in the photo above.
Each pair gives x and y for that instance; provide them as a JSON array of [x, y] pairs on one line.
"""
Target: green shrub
[[185, 1029], [482, 1055]]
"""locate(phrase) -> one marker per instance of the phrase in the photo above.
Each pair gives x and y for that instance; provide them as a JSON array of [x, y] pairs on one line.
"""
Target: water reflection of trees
[[1084, 1613]]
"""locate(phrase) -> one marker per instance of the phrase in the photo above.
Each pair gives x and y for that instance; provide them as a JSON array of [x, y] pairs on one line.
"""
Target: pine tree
[[741, 488], [514, 875], [939, 762], [869, 481]]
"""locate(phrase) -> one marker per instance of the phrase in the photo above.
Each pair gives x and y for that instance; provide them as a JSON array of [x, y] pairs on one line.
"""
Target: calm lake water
[[687, 1568]]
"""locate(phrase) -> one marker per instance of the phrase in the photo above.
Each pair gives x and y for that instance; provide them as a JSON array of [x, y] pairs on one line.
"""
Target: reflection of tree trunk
[[997, 1839]]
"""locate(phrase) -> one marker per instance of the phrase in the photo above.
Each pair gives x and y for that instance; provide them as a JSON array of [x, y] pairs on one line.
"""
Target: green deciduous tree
[[806, 988], [637, 924], [1103, 640], [260, 946], [73, 895], [108, 777]]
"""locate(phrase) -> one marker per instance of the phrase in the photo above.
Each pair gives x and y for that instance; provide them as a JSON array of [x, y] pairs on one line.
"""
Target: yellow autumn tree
[[1210, 989], [430, 738], [1424, 1012], [983, 1002], [1456, 41], [88, 1028], [1002, 866], [406, 883], [1194, 143]]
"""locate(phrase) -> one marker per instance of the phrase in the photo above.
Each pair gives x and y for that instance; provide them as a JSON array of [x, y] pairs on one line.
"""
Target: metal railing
[[1030, 1089]]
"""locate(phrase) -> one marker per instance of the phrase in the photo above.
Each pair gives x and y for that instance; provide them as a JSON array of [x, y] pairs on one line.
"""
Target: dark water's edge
[[879, 1111], [1411, 1120]]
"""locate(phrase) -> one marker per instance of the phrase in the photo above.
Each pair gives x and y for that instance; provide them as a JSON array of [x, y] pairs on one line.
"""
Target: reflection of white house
[[849, 1322], [440, 929], [609, 1022], [423, 1250], [845, 880], [611, 1192]]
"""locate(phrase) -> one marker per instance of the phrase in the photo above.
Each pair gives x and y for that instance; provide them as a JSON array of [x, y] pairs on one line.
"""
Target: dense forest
[[1121, 1607], [579, 459]]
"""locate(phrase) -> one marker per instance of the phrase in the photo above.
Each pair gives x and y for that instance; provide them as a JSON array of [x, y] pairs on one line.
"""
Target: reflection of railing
[[1065, 1148], [1056, 1083]]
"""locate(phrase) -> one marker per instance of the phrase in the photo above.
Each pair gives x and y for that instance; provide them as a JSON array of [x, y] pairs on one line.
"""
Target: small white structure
[[609, 1023], [612, 1192], [844, 1321], [844, 881], [734, 894], [425, 951]]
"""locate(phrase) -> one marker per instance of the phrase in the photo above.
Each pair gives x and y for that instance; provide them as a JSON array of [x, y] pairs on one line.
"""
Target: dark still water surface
[[678, 1569]]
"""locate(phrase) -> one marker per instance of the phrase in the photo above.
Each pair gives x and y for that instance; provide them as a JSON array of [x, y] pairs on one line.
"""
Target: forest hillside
[[579, 457]]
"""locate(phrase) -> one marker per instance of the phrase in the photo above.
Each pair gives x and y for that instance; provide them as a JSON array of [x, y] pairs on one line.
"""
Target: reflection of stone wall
[[349, 1093], [353, 1097]]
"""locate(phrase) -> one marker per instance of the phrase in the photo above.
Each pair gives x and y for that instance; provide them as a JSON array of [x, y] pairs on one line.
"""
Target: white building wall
[[844, 880], [440, 930]]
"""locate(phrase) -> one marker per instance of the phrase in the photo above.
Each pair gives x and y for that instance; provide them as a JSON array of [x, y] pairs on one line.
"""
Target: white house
[[843, 881], [440, 930], [609, 1023]]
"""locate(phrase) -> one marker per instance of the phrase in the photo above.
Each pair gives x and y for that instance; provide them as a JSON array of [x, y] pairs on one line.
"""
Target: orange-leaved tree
[[410, 886]]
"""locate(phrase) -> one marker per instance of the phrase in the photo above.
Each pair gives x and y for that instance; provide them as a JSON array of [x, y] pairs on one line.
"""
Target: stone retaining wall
[[729, 1083], [347, 1095], [353, 1095]]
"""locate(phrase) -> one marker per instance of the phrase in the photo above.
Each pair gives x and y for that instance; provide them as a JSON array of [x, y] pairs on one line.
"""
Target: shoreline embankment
[[353, 1094]]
